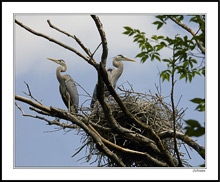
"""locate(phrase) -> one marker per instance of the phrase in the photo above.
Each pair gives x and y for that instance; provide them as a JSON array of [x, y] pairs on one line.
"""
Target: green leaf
[[144, 58], [154, 37], [190, 77], [128, 28], [182, 76], [164, 44], [166, 60], [159, 24], [157, 57], [185, 64], [200, 108], [168, 77], [197, 73], [160, 37], [198, 100], [192, 122], [194, 128], [194, 61], [141, 54]]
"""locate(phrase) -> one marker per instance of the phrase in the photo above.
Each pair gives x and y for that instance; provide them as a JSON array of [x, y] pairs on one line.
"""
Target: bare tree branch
[[186, 139], [56, 42], [87, 51], [174, 112], [29, 94], [130, 116], [103, 38], [34, 104], [68, 116], [150, 158]]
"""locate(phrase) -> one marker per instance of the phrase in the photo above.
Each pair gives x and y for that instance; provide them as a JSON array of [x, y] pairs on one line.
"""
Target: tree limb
[[131, 117], [186, 139], [76, 39], [174, 112], [103, 38], [34, 104], [150, 158], [55, 41], [68, 116]]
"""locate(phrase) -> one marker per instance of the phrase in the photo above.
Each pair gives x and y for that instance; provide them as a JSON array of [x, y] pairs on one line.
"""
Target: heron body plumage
[[67, 87], [68, 90], [113, 75]]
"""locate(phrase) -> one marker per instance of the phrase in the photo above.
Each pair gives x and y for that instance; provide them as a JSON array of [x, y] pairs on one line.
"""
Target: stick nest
[[148, 109]]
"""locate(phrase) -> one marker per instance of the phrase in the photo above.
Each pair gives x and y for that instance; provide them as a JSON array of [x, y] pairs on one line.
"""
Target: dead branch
[[103, 75], [103, 38], [74, 37], [34, 104], [186, 139], [117, 147], [56, 42], [69, 117], [30, 94]]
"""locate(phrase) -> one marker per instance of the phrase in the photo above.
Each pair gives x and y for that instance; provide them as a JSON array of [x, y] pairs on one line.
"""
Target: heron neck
[[58, 72], [119, 65]]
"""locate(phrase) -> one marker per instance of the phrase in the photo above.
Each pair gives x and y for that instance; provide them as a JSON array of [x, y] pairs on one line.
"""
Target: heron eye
[[110, 70]]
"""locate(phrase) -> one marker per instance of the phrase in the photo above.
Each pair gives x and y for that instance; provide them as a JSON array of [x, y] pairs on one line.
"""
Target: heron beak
[[54, 60], [127, 59]]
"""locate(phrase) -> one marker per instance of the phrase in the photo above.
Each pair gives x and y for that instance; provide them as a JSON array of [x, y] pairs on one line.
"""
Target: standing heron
[[113, 74], [68, 89]]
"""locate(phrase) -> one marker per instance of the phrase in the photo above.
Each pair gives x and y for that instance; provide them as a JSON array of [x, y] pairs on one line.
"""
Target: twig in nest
[[80, 149]]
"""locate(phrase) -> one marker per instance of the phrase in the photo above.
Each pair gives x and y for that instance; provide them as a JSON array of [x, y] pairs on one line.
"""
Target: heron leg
[[68, 98]]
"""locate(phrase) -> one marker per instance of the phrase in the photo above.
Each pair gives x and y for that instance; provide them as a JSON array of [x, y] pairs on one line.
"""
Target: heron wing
[[94, 97], [111, 72], [69, 86]]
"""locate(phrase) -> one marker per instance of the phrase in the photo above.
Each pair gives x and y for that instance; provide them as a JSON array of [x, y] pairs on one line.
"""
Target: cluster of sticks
[[131, 129]]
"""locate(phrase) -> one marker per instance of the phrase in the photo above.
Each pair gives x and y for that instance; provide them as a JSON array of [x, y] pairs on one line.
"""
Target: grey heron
[[113, 74], [68, 89]]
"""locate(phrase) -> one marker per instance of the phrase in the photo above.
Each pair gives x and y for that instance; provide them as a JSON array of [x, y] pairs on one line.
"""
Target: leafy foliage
[[184, 60], [194, 128], [200, 102]]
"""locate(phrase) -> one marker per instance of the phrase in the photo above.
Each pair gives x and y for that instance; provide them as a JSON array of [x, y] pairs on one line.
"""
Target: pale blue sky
[[35, 145]]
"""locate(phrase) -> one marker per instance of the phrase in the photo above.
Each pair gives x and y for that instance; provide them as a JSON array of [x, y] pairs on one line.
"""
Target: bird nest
[[147, 108]]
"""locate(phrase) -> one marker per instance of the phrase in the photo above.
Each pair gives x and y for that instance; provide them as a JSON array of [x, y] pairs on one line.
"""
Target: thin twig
[[56, 42], [174, 111], [79, 149], [72, 36], [29, 93]]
